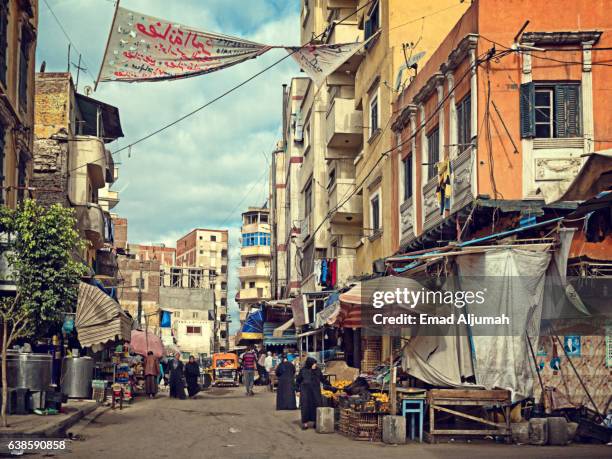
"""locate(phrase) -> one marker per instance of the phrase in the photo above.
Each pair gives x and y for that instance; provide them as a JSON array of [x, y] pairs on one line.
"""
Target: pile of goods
[[333, 397]]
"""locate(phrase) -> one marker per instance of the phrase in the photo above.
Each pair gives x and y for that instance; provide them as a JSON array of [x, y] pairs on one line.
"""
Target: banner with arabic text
[[320, 61], [145, 48]]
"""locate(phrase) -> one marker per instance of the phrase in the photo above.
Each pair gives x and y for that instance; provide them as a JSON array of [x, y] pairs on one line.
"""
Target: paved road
[[223, 423]]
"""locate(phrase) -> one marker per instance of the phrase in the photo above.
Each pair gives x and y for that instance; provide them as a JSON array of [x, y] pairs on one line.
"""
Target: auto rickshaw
[[225, 369]]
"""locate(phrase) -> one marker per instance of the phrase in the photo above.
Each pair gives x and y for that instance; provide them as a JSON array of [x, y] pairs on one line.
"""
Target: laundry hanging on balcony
[[444, 189], [147, 48]]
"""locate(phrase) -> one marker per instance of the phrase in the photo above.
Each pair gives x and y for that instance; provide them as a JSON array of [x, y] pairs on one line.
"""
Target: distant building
[[255, 255], [192, 319], [131, 271], [208, 249]]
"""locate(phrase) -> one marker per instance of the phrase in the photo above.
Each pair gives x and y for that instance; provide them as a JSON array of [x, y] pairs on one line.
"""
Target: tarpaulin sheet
[[514, 280]]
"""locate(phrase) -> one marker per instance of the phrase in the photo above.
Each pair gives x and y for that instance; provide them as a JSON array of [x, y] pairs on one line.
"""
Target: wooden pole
[[392, 385]]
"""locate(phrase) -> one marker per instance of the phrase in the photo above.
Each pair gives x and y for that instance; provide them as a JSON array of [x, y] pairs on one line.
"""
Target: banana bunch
[[380, 397], [341, 383]]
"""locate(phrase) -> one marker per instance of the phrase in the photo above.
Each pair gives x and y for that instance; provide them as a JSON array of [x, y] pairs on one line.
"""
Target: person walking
[[285, 393], [192, 373], [309, 382], [177, 378], [151, 371], [249, 364], [261, 369]]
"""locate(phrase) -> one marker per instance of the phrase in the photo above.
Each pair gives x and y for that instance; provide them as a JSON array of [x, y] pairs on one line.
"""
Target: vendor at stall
[[309, 382]]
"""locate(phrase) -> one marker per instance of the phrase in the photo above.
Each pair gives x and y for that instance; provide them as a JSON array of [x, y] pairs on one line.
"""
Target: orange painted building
[[509, 112]]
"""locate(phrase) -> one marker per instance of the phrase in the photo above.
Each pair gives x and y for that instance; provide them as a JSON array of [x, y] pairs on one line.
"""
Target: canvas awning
[[99, 318], [278, 331], [328, 315], [349, 315], [594, 177]]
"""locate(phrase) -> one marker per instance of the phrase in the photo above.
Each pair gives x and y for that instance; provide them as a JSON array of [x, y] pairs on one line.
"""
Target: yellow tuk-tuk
[[225, 369]]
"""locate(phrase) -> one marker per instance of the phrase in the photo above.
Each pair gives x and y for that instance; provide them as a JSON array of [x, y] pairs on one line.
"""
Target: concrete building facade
[[208, 249], [71, 161]]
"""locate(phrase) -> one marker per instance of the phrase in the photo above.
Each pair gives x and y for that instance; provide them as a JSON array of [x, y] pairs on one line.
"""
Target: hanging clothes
[[444, 188], [317, 271], [334, 272], [324, 269]]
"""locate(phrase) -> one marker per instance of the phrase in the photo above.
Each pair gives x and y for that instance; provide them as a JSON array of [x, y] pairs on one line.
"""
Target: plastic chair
[[414, 407]]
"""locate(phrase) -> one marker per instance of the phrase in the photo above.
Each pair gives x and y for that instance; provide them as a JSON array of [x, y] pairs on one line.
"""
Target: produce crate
[[344, 421], [360, 426]]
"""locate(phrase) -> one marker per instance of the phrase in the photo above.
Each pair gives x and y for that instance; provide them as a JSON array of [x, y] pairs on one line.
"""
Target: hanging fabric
[[324, 269], [317, 271], [444, 188]]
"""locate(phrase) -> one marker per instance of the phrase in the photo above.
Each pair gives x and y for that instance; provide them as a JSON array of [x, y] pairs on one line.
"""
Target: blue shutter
[[527, 108], [567, 110], [368, 29]]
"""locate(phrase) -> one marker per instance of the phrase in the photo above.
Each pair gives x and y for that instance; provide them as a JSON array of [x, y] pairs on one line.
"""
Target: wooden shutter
[[567, 110], [3, 40], [527, 109]]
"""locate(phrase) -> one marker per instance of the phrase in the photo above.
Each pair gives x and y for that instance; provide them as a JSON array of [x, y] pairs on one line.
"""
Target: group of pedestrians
[[308, 383], [181, 376]]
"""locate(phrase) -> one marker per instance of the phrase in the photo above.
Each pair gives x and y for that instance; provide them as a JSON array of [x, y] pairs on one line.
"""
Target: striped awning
[[99, 318]]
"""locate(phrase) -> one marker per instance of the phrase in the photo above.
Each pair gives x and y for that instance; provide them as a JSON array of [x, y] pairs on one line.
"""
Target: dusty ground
[[223, 423]]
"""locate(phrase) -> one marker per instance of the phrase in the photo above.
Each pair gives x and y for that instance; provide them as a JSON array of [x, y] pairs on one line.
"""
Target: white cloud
[[196, 172]]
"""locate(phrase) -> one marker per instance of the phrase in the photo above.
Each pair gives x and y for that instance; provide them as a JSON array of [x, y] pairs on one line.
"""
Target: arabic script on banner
[[320, 61], [145, 48]]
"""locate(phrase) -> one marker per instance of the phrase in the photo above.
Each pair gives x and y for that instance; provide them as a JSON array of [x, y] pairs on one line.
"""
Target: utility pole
[[140, 296]]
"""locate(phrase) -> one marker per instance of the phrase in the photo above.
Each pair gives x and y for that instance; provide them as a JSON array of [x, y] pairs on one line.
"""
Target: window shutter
[[368, 29], [527, 108], [567, 110]]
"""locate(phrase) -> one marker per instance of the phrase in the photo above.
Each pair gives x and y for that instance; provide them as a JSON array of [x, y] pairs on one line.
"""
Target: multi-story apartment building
[[208, 249], [507, 131], [166, 256], [72, 163], [293, 141], [138, 290], [18, 24], [278, 226], [255, 253], [346, 181]]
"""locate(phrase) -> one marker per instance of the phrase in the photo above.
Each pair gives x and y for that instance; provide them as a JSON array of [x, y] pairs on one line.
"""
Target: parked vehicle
[[225, 369]]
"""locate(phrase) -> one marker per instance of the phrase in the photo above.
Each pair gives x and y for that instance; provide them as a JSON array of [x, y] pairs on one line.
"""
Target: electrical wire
[[383, 155], [59, 23], [229, 91], [412, 21]]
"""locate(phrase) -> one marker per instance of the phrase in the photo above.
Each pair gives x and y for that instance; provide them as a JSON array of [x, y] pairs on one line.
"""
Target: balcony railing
[[253, 271], [255, 251], [406, 221], [344, 124]]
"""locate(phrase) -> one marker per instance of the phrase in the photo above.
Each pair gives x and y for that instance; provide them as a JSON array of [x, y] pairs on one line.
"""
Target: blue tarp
[[253, 326], [166, 319]]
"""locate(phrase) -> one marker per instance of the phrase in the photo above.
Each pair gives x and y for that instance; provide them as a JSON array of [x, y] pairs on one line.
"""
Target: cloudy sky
[[199, 172]]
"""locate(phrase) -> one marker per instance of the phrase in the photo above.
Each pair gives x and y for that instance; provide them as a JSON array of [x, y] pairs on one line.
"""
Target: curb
[[82, 423], [51, 429]]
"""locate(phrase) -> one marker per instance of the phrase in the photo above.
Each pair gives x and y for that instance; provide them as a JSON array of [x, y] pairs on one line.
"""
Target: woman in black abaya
[[192, 373], [285, 392], [309, 382], [177, 385]]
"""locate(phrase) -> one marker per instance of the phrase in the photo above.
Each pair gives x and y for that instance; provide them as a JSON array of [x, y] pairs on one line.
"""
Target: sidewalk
[[33, 425]]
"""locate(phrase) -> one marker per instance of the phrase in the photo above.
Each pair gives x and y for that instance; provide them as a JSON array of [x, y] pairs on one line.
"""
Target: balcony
[[246, 272], [90, 223], [108, 198], [255, 251], [254, 294], [345, 32], [349, 212], [305, 226], [344, 124], [90, 150]]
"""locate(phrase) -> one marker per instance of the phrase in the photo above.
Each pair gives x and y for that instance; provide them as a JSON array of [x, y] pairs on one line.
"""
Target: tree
[[39, 252]]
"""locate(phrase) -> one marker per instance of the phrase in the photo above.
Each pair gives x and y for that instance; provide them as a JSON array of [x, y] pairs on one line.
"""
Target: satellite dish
[[411, 62]]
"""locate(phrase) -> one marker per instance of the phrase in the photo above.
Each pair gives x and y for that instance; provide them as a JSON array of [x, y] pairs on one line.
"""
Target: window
[[374, 114], [251, 284], [223, 253], [263, 218], [223, 285], [177, 314], [223, 269], [191, 330], [24, 60], [253, 239], [176, 277], [375, 212], [201, 252], [223, 301], [433, 152], [372, 23], [194, 315], [331, 179], [4, 12], [213, 238], [464, 121], [550, 110], [407, 163], [308, 199]]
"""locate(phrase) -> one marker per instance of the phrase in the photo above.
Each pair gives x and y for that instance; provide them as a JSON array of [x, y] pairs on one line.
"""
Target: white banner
[[145, 48], [320, 61]]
